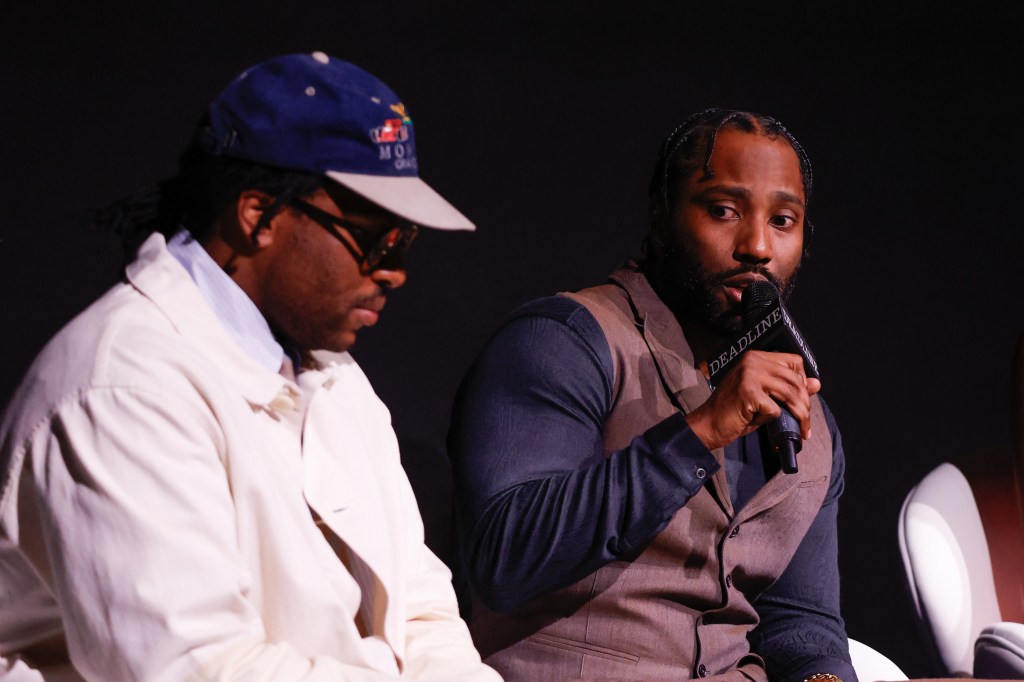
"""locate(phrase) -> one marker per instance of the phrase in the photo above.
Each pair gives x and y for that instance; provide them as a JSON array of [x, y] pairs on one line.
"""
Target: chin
[[341, 343], [337, 336], [336, 346], [335, 343]]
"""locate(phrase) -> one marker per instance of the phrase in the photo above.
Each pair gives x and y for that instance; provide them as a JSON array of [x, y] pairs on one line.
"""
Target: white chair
[[949, 574], [872, 665]]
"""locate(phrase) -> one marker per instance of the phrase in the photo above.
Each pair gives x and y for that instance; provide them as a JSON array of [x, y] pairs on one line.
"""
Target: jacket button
[[702, 670], [700, 473], [283, 402], [735, 531]]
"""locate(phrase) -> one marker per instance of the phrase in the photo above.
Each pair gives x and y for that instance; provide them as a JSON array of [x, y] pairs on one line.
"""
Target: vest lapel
[[814, 462], [664, 337]]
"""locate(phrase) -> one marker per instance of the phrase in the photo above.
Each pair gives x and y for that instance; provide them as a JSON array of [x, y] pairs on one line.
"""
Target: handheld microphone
[[768, 326]]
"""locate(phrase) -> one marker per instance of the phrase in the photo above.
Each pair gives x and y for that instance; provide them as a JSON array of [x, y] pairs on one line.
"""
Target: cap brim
[[408, 197]]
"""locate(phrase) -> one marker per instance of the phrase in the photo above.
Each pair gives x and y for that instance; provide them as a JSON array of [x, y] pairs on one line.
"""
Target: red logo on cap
[[393, 130]]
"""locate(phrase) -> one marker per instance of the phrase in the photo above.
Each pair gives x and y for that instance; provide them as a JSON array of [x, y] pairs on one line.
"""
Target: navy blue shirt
[[540, 507]]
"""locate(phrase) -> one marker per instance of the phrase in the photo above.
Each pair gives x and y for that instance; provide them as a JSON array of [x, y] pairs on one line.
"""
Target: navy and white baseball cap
[[319, 114]]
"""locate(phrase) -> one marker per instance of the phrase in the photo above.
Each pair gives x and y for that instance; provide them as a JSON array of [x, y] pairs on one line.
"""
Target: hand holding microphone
[[763, 376]]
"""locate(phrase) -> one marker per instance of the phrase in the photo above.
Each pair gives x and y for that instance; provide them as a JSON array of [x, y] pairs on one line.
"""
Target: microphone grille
[[758, 295]]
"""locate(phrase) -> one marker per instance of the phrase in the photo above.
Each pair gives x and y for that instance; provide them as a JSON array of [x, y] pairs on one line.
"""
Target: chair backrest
[[948, 566]]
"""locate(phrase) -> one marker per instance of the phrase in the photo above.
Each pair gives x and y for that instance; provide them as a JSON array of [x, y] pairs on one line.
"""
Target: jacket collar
[[232, 306], [158, 276]]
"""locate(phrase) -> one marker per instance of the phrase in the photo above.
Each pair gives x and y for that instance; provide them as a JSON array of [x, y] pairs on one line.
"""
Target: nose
[[388, 278], [753, 242]]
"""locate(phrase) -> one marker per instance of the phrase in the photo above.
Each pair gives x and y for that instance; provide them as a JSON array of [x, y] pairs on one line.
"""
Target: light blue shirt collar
[[230, 304]]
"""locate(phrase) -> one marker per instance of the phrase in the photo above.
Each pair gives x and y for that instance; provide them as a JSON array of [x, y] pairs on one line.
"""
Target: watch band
[[823, 677]]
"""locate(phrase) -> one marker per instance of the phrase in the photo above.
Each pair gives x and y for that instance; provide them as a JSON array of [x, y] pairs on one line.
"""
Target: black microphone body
[[784, 438], [768, 326]]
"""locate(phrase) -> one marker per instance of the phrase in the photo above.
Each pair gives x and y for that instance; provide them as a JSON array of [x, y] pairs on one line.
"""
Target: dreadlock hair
[[689, 148], [195, 197]]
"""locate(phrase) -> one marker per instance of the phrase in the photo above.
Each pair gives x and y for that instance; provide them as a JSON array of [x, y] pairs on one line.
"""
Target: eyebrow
[[741, 193]]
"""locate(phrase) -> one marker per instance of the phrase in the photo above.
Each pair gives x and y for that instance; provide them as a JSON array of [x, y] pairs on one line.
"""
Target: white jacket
[[156, 488]]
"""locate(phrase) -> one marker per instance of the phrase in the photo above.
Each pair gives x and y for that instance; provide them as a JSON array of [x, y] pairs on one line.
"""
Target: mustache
[[374, 300], [719, 277]]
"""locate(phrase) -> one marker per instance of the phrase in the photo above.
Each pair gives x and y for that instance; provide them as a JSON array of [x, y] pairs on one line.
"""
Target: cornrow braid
[[667, 151], [690, 144]]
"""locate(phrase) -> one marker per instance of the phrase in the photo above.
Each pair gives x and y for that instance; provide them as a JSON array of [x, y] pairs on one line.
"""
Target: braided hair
[[195, 197], [689, 148]]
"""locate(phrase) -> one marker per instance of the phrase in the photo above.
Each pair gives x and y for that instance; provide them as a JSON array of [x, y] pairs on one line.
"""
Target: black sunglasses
[[377, 248]]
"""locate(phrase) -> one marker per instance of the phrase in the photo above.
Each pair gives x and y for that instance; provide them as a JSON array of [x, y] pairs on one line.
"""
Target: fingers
[[751, 394], [788, 384], [805, 388]]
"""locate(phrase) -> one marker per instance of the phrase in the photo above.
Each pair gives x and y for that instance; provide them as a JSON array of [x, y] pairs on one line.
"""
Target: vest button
[[700, 473], [728, 581], [702, 670]]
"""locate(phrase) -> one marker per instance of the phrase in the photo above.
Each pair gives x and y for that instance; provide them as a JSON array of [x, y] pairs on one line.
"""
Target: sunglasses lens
[[388, 251]]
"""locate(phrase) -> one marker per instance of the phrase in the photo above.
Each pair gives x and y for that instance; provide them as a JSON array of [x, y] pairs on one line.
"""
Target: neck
[[236, 265]]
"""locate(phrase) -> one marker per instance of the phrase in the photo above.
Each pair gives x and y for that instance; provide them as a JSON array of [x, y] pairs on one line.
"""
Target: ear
[[256, 225]]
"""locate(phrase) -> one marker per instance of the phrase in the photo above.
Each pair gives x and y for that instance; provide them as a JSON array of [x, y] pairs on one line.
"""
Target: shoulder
[[561, 311], [80, 354], [548, 342], [122, 342], [552, 325]]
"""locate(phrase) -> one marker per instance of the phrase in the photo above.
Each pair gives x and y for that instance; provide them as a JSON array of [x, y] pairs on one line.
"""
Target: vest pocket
[[583, 648]]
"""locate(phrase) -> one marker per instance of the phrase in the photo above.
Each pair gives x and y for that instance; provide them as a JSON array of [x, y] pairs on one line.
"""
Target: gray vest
[[683, 606]]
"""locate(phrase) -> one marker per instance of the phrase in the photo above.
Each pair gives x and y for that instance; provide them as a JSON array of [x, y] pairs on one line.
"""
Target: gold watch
[[823, 677]]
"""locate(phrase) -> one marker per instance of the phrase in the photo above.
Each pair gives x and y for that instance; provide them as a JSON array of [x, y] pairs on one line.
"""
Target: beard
[[689, 289]]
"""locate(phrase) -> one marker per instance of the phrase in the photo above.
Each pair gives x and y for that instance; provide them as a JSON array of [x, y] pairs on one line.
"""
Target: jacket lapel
[[343, 488]]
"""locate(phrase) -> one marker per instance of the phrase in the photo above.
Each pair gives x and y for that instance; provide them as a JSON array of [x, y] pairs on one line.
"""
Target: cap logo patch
[[393, 130]]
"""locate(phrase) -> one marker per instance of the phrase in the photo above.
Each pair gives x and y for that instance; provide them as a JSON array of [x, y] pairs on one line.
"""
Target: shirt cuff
[[674, 444]]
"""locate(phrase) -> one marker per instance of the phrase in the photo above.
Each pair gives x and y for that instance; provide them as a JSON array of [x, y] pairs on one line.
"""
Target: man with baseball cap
[[196, 479]]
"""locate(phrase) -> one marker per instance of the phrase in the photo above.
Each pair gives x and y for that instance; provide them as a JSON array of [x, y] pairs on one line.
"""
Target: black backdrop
[[540, 120]]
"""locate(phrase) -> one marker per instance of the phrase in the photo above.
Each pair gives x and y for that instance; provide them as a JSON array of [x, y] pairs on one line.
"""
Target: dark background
[[540, 121]]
